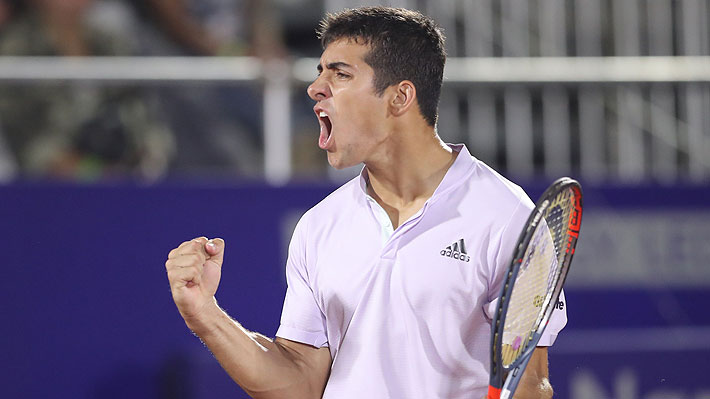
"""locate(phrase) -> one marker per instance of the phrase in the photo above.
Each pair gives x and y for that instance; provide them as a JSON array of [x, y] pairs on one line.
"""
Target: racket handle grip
[[493, 392]]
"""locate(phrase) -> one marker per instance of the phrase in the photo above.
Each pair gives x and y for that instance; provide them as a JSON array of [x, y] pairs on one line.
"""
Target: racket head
[[534, 279]]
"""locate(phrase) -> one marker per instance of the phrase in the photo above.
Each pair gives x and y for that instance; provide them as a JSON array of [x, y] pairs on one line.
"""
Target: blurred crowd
[[95, 131], [91, 131]]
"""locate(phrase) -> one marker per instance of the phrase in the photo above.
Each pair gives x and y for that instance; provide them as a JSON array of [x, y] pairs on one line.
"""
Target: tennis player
[[393, 278]]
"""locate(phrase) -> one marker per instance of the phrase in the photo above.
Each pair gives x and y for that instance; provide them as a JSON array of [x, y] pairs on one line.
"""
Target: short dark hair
[[404, 45]]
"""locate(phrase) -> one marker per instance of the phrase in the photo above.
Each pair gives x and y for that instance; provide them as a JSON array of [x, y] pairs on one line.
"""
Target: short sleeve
[[301, 317], [558, 320]]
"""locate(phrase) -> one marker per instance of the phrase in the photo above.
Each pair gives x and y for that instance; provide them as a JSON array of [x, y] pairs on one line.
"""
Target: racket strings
[[539, 271]]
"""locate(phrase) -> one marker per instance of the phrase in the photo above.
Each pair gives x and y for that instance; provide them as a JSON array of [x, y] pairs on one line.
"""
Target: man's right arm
[[264, 368]]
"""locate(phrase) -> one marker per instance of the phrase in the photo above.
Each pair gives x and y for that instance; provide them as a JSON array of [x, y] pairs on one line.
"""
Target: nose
[[318, 90]]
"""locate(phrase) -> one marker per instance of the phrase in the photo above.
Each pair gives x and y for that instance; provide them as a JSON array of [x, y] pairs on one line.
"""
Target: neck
[[410, 168]]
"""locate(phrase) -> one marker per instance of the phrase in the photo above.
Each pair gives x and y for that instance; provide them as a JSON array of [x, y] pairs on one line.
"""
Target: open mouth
[[326, 127]]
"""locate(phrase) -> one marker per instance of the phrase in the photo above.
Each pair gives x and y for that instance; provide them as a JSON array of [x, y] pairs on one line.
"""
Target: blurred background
[[127, 127]]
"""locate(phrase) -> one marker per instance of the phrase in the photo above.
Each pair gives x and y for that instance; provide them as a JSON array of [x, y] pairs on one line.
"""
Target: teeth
[[323, 114]]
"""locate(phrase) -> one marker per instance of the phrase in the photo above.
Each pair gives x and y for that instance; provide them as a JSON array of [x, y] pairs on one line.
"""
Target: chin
[[339, 163], [336, 165]]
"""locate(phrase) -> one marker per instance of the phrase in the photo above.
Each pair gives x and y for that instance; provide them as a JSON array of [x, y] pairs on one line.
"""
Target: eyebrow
[[333, 65]]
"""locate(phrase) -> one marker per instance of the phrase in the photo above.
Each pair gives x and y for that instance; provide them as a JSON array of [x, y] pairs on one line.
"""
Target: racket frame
[[513, 372]]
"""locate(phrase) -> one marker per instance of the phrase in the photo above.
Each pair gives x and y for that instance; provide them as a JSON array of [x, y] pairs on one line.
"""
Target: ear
[[403, 98]]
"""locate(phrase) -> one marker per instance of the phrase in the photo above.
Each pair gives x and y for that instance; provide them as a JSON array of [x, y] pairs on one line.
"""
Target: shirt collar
[[457, 173]]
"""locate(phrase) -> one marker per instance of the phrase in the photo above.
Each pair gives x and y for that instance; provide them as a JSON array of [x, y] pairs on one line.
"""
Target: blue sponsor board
[[634, 343], [87, 311], [660, 374]]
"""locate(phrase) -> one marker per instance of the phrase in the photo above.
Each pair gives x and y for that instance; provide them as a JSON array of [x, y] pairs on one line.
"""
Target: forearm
[[262, 367], [534, 389], [535, 383]]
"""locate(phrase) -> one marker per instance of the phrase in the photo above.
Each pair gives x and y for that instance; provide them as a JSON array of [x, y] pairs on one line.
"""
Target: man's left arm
[[535, 383]]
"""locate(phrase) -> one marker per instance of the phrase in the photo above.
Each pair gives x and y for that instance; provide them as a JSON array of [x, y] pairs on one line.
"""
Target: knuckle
[[184, 274], [195, 246], [173, 253], [171, 275], [199, 242], [195, 259]]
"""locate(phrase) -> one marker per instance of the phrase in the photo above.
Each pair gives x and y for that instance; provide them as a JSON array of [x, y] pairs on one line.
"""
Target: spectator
[[213, 27], [218, 128], [78, 131], [6, 10]]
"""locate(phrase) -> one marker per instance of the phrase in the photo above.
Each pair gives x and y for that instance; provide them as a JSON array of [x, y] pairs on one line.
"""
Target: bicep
[[313, 363]]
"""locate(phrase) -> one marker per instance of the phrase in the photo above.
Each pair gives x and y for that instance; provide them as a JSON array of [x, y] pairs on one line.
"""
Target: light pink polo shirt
[[406, 313]]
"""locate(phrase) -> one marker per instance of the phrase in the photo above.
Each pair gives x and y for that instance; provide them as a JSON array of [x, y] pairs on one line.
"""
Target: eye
[[341, 75]]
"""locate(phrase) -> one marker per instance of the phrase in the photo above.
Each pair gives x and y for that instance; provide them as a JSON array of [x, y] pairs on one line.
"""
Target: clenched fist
[[194, 269]]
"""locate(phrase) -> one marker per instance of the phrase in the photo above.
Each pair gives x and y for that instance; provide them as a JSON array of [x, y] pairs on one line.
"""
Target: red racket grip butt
[[493, 392]]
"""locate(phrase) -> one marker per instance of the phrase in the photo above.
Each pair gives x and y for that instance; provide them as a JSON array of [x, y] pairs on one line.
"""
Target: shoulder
[[346, 196], [342, 201], [497, 192], [334, 216], [481, 186]]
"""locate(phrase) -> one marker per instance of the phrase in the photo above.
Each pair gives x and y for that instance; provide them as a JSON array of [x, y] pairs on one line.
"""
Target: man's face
[[353, 118]]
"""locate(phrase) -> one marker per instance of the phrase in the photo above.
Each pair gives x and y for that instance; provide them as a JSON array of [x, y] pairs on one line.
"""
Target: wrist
[[202, 322]]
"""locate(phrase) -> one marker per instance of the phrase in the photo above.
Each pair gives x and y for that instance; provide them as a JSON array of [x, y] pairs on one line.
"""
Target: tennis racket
[[533, 283]]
